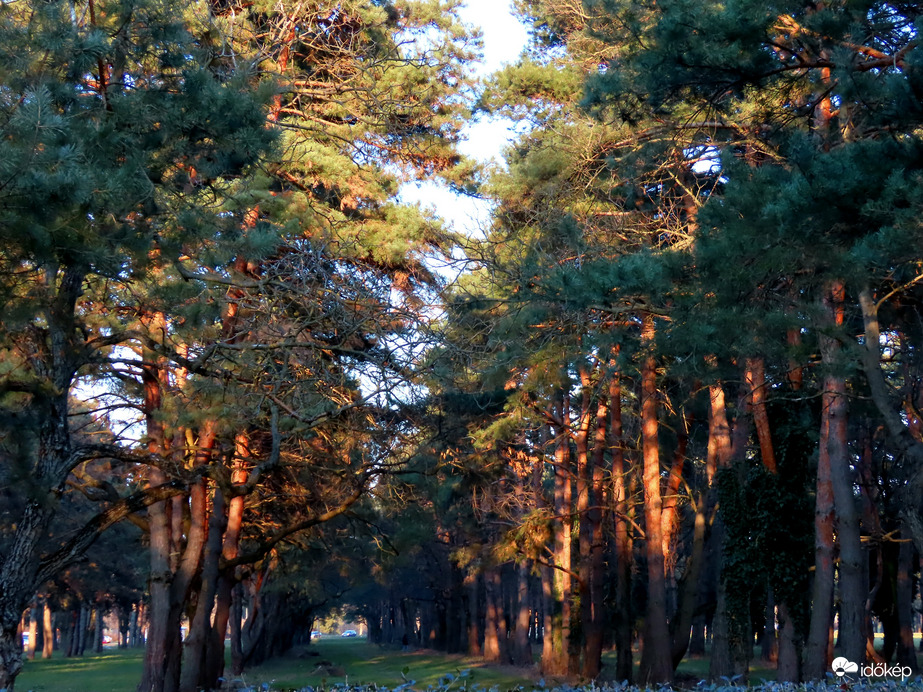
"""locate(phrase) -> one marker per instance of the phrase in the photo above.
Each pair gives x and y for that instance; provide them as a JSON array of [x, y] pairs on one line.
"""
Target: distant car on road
[[349, 633], [315, 634]]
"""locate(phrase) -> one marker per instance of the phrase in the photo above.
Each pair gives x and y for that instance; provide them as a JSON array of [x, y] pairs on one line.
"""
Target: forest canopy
[[670, 405]]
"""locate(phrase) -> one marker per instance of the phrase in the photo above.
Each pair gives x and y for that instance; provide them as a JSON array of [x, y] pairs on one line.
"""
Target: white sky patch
[[484, 140], [504, 35]]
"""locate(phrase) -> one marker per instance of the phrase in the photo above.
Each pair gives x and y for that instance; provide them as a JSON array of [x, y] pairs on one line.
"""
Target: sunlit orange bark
[[756, 379], [656, 660], [623, 548]]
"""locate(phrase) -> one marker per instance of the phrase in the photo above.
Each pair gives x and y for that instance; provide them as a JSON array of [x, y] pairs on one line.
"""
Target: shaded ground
[[364, 663], [120, 671]]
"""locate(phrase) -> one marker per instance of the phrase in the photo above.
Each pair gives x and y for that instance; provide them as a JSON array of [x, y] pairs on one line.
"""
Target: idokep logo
[[841, 667]]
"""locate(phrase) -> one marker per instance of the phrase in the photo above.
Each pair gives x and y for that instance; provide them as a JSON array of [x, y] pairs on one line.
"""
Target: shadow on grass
[[362, 663], [112, 671]]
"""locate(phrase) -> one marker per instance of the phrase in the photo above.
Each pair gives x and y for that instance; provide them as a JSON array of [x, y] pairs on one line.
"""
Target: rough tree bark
[[492, 650], [474, 622], [495, 640], [213, 666], [816, 661], [851, 583], [53, 355], [522, 649], [561, 610], [755, 374], [594, 616], [906, 653], [155, 655], [623, 548], [196, 640], [656, 660], [48, 630]]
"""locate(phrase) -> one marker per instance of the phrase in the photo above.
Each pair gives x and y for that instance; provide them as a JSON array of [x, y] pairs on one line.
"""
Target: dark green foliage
[[741, 568], [784, 507]]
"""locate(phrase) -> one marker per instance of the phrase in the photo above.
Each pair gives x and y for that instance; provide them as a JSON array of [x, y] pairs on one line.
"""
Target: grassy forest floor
[[120, 670]]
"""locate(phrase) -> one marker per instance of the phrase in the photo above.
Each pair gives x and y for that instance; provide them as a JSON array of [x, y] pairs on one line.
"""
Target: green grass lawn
[[111, 671], [361, 662], [368, 663], [120, 671]]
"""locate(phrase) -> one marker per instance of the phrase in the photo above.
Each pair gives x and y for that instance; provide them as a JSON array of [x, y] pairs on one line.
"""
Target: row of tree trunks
[[190, 536], [81, 629], [585, 432]]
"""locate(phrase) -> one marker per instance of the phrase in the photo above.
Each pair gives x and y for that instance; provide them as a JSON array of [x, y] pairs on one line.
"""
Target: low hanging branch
[[86, 536], [266, 546]]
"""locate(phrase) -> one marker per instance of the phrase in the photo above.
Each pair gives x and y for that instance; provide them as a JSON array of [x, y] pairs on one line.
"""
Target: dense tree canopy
[[673, 398]]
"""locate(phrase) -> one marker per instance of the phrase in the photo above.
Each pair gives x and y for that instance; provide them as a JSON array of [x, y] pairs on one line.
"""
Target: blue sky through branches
[[504, 39]]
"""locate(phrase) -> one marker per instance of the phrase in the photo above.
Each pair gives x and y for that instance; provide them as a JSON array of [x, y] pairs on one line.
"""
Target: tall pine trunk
[[522, 649], [755, 375], [48, 630], [789, 664], [817, 661], [853, 629], [563, 513], [731, 647], [155, 656], [623, 549], [494, 645], [214, 654], [594, 615], [718, 453], [906, 654], [581, 444], [656, 659]]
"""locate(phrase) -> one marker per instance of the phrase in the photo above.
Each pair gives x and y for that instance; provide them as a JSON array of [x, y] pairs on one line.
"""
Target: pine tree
[[107, 109]]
